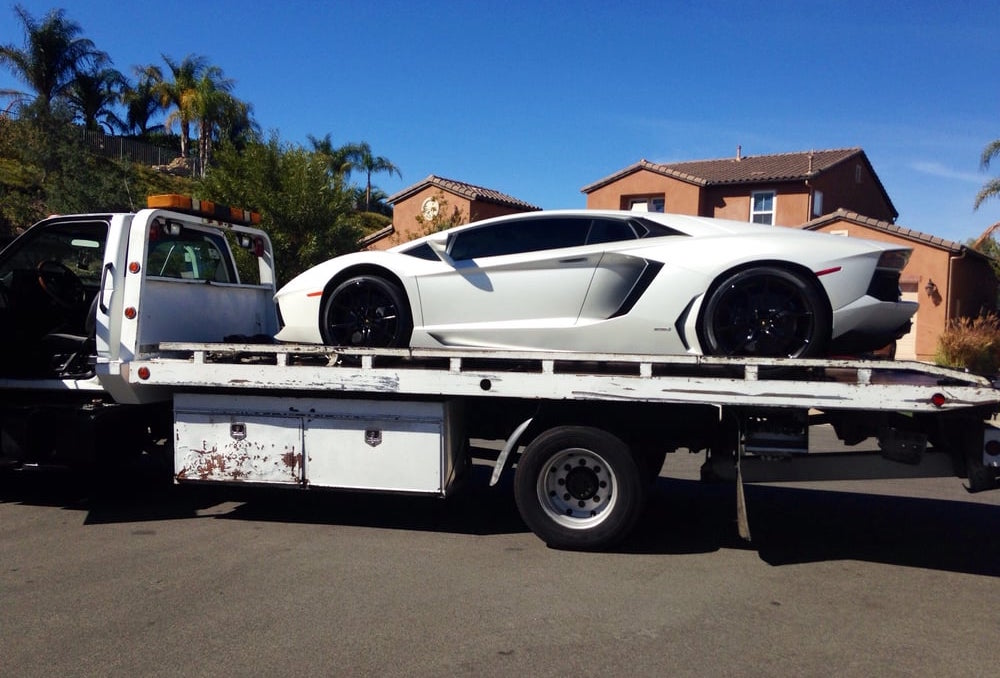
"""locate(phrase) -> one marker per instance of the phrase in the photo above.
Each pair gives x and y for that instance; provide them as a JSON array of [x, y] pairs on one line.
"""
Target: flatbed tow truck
[[180, 352]]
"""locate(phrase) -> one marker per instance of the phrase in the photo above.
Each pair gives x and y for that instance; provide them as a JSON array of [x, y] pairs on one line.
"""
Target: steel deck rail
[[437, 373]]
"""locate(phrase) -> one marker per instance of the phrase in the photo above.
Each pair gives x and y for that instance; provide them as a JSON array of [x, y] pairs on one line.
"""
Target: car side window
[[610, 230], [521, 235]]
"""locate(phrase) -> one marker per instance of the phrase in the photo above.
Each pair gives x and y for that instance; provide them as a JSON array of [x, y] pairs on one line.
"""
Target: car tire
[[764, 311], [366, 311]]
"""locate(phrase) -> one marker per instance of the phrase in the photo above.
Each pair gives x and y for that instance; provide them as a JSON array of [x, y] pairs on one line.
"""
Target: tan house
[[417, 209], [948, 279], [836, 191], [786, 189]]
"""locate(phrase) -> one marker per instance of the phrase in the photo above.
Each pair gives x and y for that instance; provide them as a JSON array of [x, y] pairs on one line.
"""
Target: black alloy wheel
[[764, 311], [366, 312]]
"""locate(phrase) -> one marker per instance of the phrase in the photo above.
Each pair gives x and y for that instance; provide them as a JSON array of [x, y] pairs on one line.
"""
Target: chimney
[[739, 152]]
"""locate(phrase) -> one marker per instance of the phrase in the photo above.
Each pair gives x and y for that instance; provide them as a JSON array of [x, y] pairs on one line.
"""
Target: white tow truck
[[151, 333]]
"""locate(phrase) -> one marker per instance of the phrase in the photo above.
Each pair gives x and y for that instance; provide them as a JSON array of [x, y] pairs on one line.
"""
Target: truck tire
[[579, 488]]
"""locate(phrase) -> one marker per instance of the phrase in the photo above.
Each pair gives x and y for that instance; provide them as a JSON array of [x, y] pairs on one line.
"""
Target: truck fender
[[503, 460]]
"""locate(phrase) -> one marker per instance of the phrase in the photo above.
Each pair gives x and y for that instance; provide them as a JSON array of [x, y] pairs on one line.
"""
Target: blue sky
[[537, 99]]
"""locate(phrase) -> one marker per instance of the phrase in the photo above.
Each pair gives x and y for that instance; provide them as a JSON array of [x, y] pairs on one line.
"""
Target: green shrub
[[972, 344]]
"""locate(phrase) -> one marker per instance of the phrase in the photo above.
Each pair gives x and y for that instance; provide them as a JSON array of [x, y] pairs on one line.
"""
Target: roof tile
[[741, 169], [466, 190]]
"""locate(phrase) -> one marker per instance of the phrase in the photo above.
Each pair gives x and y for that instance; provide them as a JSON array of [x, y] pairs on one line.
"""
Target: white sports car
[[608, 281]]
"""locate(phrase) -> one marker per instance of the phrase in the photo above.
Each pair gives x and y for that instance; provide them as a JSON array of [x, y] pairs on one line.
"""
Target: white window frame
[[772, 212], [647, 203], [817, 203]]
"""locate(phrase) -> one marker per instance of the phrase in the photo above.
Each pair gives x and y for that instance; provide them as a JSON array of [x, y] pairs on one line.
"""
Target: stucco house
[[835, 191], [436, 198], [948, 279], [785, 189]]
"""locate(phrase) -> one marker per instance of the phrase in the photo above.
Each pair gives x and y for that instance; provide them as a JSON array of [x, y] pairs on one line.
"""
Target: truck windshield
[[49, 279]]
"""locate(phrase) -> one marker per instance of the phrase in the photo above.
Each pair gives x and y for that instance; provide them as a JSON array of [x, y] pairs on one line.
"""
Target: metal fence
[[121, 148]]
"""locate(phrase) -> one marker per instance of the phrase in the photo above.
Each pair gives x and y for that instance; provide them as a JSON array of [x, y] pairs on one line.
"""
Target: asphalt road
[[859, 578]]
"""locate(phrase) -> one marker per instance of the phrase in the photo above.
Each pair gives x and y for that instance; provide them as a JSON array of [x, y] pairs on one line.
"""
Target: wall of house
[[488, 210], [842, 190], [973, 287], [405, 213], [679, 196], [733, 202], [926, 264]]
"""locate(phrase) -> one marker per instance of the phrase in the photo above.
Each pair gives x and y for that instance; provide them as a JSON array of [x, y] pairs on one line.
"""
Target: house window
[[858, 176], [646, 204], [817, 203], [762, 207]]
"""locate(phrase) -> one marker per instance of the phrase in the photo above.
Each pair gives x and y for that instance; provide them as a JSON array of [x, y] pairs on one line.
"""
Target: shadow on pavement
[[788, 525]]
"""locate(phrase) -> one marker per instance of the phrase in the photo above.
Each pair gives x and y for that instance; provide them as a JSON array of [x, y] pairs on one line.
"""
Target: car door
[[523, 273]]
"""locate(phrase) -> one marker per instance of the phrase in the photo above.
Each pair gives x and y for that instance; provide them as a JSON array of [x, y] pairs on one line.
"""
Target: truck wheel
[[579, 488]]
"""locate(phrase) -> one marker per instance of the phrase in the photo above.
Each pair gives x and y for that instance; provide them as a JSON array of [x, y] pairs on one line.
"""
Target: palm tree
[[52, 56], [992, 187], [180, 92], [141, 101], [361, 158], [338, 159], [211, 105], [92, 96]]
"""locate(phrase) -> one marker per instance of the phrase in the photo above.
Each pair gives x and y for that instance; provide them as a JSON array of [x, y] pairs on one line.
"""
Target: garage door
[[906, 346]]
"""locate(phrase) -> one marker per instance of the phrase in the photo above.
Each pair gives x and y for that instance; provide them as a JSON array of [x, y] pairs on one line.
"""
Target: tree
[[211, 102], [361, 158], [140, 100], [338, 159], [52, 56], [92, 96], [309, 218], [46, 167], [992, 187], [179, 92]]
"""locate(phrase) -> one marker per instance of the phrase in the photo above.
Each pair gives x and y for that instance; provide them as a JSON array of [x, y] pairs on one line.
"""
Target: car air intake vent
[[885, 286]]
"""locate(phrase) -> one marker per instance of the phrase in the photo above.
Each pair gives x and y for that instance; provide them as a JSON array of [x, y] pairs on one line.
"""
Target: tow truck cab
[[81, 295]]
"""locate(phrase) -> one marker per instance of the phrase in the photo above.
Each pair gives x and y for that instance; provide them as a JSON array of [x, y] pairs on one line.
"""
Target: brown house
[[419, 208], [948, 279], [786, 189], [835, 191]]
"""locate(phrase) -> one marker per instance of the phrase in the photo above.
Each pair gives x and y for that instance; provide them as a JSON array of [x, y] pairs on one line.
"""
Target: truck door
[[49, 283]]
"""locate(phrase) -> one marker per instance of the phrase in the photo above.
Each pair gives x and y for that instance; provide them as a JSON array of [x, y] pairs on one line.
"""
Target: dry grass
[[972, 344]]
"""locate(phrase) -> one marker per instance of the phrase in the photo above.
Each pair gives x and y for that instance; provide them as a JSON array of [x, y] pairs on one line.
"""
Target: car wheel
[[764, 311], [366, 312]]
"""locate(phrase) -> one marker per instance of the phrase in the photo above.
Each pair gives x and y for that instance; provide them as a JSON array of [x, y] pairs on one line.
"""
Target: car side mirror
[[439, 243]]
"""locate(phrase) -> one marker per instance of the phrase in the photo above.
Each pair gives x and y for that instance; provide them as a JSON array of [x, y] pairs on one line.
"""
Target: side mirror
[[439, 243]]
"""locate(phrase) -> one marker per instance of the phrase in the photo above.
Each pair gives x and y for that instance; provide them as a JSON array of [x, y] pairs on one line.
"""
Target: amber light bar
[[203, 208]]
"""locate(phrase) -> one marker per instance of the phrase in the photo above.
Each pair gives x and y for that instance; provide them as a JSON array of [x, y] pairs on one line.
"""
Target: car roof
[[691, 225]]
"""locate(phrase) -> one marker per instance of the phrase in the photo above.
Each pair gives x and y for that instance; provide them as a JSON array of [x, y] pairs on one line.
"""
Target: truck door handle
[[108, 268]]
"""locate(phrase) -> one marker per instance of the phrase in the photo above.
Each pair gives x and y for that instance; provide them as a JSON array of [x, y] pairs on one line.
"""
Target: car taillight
[[894, 260]]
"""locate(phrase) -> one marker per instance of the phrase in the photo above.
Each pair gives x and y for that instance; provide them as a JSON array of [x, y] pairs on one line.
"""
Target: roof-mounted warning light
[[203, 208]]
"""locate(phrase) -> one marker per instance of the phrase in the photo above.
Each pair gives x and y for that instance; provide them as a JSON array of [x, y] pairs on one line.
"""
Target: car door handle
[[573, 260]]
